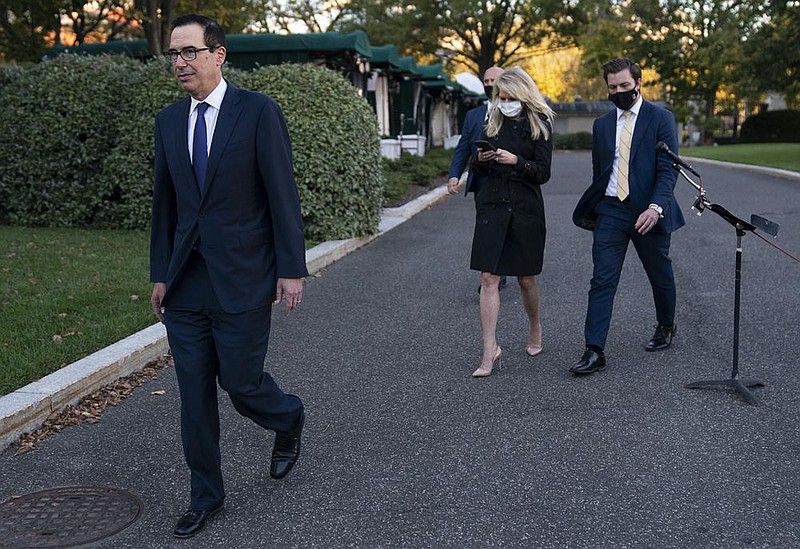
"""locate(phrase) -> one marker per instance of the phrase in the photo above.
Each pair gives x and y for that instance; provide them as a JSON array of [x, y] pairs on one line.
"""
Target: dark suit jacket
[[471, 132], [248, 219], [651, 176]]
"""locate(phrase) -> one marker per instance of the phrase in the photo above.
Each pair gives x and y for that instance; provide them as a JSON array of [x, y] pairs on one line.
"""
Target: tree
[[481, 34], [24, 27], [411, 26], [695, 47], [303, 15], [773, 54], [94, 21]]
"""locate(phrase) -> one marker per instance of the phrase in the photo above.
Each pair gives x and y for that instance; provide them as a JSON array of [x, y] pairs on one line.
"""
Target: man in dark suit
[[474, 122], [226, 242], [631, 199]]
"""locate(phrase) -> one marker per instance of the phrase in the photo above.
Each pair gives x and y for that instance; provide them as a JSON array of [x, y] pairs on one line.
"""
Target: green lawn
[[785, 156], [65, 293]]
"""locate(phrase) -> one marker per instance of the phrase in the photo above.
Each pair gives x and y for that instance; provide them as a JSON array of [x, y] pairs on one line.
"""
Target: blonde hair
[[518, 84]]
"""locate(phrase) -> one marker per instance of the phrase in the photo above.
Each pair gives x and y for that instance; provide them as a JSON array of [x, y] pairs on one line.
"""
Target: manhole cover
[[66, 517]]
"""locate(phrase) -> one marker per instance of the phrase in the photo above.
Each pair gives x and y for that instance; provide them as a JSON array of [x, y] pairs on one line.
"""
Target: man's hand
[[292, 290], [647, 220], [159, 289], [452, 185]]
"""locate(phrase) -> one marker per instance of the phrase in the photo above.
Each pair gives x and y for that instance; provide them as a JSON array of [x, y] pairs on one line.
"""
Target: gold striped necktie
[[623, 189]]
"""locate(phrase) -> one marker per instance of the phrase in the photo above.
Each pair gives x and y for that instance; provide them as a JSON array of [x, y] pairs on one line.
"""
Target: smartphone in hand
[[484, 145]]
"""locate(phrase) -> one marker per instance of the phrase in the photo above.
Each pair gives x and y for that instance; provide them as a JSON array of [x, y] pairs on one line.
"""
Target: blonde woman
[[509, 238]]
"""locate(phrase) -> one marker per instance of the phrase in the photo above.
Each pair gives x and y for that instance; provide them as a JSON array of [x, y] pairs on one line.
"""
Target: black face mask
[[624, 100], [488, 91]]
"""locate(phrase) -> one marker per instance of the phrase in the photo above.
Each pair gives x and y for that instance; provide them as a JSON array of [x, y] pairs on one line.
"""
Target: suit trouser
[[209, 344], [615, 228]]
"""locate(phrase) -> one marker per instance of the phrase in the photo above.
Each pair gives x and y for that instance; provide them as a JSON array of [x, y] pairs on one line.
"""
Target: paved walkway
[[404, 449]]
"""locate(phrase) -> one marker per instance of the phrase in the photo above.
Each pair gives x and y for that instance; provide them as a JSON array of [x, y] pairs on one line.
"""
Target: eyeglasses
[[187, 54]]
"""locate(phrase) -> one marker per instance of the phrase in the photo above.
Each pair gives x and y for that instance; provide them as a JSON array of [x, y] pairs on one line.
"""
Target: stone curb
[[787, 174], [27, 408]]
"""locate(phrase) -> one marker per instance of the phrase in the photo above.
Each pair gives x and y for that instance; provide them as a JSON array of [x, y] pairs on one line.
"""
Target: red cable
[[776, 247]]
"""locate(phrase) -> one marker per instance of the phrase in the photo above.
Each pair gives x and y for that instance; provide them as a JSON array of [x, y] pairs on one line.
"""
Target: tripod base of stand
[[738, 385]]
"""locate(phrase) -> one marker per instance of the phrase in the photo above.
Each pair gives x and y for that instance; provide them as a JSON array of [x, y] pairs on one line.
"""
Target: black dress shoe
[[193, 521], [286, 450], [662, 339], [590, 362]]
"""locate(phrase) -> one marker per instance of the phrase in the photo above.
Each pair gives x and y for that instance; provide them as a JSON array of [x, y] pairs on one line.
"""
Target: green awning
[[385, 56], [407, 65], [430, 72]]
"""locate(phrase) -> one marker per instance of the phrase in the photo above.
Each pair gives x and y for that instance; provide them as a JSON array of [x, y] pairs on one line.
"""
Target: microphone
[[664, 149]]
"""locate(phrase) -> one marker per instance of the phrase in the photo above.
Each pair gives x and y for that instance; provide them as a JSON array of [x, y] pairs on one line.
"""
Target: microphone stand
[[741, 386]]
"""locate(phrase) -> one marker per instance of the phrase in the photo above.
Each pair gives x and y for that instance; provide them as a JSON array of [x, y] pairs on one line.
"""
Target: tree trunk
[[158, 16], [708, 134]]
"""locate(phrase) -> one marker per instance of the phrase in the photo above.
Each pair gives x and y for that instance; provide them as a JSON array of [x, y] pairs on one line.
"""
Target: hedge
[[781, 126], [570, 141], [336, 148], [78, 143]]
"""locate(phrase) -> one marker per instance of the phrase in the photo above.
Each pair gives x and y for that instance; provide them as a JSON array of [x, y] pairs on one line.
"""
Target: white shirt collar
[[634, 109], [214, 98]]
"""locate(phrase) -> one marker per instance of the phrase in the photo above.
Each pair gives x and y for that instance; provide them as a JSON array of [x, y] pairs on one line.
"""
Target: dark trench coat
[[510, 225]]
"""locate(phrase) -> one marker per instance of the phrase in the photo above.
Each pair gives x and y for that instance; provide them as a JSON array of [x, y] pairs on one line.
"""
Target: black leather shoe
[[193, 521], [590, 362], [662, 339], [286, 450]]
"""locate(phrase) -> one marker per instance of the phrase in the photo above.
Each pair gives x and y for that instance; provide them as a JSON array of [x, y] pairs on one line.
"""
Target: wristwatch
[[659, 210]]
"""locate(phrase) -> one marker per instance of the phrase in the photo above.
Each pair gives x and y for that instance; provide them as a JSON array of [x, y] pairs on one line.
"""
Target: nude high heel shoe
[[496, 361], [536, 348]]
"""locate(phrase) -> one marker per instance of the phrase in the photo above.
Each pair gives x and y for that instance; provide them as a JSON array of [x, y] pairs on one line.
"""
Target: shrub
[[125, 182], [410, 170], [335, 147], [570, 141], [60, 119], [771, 127], [78, 143], [9, 73]]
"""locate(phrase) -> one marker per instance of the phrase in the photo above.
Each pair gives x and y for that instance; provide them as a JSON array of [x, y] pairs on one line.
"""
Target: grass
[[65, 293], [785, 156], [411, 170]]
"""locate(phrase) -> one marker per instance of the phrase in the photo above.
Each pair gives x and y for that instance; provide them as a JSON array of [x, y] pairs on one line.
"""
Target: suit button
[[202, 214], [510, 210]]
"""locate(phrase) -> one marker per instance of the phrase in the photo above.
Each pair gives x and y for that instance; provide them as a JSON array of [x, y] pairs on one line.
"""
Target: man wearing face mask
[[631, 199], [474, 122]]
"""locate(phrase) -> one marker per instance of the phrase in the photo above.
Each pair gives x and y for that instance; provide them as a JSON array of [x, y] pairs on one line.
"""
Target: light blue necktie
[[200, 147]]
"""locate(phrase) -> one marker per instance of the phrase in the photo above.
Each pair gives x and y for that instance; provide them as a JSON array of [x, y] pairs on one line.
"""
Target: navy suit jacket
[[248, 219], [471, 132], [651, 176]]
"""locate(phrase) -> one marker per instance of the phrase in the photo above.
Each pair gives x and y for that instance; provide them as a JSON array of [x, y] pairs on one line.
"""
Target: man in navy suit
[[631, 199], [474, 122], [226, 242]]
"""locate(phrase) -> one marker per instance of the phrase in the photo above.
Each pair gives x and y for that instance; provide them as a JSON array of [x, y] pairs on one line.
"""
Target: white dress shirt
[[611, 189], [214, 101]]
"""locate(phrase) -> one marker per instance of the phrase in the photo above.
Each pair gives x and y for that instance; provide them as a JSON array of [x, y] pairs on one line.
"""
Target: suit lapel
[[640, 130], [228, 115], [610, 133], [182, 139]]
